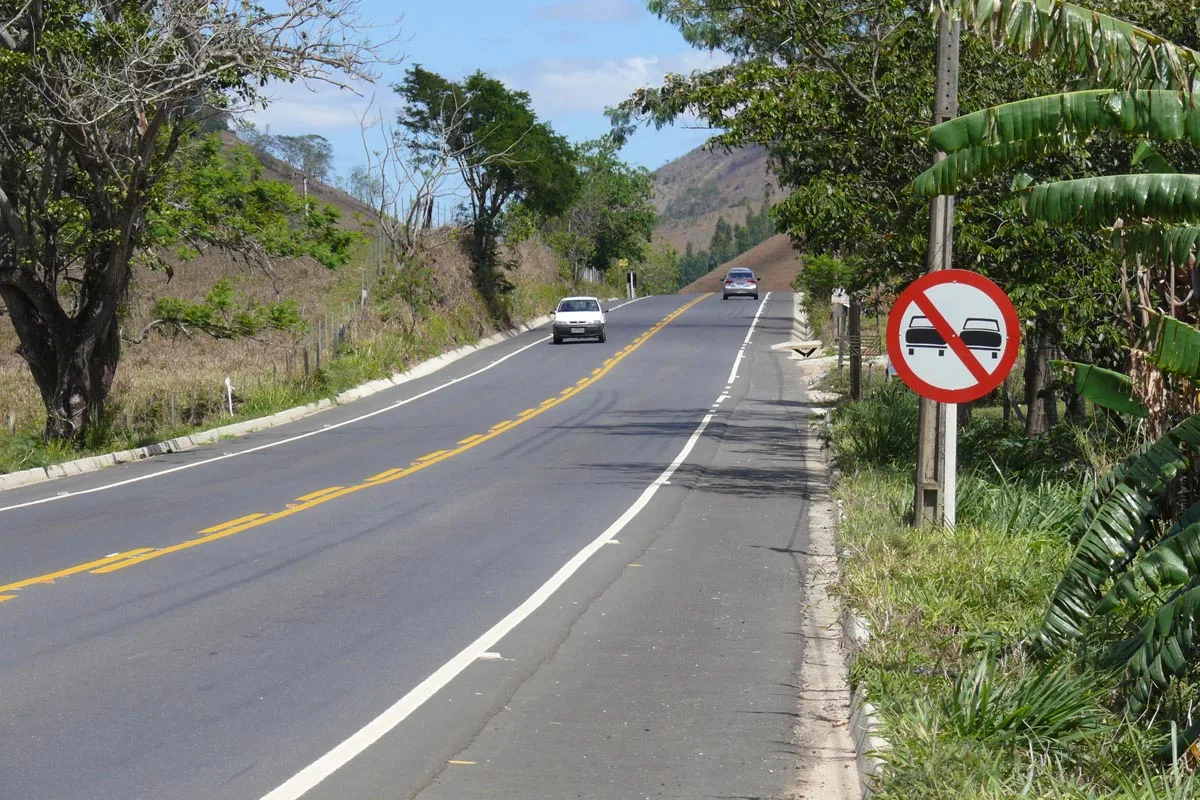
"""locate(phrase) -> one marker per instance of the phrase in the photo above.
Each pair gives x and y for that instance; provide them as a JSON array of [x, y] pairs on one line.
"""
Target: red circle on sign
[[916, 290]]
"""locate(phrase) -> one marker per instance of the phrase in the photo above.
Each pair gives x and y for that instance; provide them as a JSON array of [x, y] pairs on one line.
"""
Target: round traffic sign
[[953, 336]]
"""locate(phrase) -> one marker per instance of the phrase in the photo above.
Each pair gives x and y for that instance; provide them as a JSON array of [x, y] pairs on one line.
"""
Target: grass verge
[[967, 710], [380, 347]]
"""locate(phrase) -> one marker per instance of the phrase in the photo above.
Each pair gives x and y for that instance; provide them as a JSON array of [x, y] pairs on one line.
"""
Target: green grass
[[968, 711]]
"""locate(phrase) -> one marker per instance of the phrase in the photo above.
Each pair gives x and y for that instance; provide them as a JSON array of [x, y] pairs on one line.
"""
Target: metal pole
[[932, 418], [950, 459]]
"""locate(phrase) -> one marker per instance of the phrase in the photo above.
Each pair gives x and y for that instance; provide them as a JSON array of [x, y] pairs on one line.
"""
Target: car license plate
[[576, 330]]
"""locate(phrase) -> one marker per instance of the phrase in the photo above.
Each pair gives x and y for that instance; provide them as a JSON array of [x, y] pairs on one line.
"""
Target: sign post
[[952, 337], [931, 456]]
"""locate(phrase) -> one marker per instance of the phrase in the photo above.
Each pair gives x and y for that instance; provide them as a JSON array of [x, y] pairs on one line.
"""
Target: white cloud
[[566, 86], [319, 108], [587, 10]]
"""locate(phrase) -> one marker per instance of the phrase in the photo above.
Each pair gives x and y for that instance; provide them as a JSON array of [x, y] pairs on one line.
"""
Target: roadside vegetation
[[970, 706], [124, 312]]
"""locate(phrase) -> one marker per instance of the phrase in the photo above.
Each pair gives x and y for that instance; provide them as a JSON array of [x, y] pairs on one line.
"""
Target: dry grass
[[170, 383]]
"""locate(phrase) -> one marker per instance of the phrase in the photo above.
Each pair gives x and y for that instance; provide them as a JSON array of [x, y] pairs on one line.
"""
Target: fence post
[[854, 335]]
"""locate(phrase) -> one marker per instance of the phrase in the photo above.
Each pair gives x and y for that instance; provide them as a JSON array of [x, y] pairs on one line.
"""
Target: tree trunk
[[73, 360], [73, 370], [83, 377], [1076, 407], [1037, 386]]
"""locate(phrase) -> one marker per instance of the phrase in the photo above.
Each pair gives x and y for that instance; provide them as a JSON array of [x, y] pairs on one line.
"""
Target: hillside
[[774, 261], [692, 191], [180, 377]]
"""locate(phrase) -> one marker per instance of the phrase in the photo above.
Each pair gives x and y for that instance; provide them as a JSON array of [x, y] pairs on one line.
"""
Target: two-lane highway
[[249, 619]]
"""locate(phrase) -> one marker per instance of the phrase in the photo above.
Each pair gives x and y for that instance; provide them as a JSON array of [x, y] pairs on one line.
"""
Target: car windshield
[[920, 322], [982, 324], [740, 274], [575, 306]]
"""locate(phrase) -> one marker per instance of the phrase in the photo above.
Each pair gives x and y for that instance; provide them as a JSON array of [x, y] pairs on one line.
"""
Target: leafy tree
[[841, 97], [219, 198], [727, 243], [99, 98], [314, 155], [503, 153], [660, 272], [611, 218], [310, 154]]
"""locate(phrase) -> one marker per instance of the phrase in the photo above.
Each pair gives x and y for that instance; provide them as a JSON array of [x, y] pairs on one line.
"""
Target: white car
[[579, 318]]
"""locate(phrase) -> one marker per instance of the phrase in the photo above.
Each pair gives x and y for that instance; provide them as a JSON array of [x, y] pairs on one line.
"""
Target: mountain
[[692, 191]]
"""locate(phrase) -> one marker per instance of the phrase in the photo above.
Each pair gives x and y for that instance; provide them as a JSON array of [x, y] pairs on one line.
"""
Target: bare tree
[[99, 97], [404, 189]]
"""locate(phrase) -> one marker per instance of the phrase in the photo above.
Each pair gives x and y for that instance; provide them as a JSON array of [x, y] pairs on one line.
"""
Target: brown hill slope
[[774, 261], [692, 191], [185, 367]]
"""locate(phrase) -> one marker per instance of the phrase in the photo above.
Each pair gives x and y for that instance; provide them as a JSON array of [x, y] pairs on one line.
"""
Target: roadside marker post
[[952, 337]]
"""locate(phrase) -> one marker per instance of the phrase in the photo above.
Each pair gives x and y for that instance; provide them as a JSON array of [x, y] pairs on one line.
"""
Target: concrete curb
[[29, 477], [864, 721]]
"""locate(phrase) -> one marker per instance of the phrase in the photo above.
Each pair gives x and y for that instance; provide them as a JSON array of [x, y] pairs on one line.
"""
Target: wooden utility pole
[[929, 498], [854, 335]]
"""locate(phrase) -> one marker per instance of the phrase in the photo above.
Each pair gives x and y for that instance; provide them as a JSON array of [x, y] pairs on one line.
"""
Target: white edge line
[[312, 775], [269, 445], [742, 352]]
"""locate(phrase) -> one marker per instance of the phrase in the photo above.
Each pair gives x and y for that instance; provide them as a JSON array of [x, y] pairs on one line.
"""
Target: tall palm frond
[[1116, 525], [983, 142], [1092, 47]]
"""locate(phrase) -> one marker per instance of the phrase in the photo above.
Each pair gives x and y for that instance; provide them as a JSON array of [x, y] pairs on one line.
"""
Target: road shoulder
[[712, 665]]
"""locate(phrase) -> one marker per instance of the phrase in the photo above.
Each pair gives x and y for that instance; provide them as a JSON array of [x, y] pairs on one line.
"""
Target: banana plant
[[1119, 522], [1094, 47], [1106, 388], [1129, 560]]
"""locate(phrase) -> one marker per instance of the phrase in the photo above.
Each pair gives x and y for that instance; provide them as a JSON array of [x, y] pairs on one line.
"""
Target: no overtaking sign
[[953, 336]]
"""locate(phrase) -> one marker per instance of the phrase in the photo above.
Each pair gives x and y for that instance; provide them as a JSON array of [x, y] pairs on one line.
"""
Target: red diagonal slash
[[951, 336]]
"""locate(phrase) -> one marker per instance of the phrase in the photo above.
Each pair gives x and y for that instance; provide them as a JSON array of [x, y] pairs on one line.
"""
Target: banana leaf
[[1117, 524], [1174, 346], [1149, 156], [1106, 388], [1158, 115], [983, 142], [1170, 564], [1171, 245], [1103, 50], [950, 174], [1096, 202], [1164, 648]]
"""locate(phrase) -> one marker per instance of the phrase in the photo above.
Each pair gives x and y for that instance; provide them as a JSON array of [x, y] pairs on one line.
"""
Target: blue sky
[[574, 57]]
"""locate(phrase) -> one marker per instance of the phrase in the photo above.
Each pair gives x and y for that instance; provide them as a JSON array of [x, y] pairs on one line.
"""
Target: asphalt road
[[544, 571]]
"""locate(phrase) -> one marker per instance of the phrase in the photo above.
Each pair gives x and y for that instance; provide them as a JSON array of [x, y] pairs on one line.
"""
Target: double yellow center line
[[119, 561]]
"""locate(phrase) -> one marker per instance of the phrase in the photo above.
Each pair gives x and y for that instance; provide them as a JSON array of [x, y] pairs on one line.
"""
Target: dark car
[[982, 334], [921, 333], [740, 282]]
